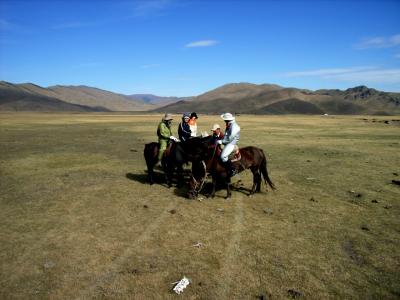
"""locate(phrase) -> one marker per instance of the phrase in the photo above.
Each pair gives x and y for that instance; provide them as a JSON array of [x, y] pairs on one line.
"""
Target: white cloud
[[87, 65], [361, 74], [5, 25], [76, 24], [150, 7], [326, 72], [379, 42], [150, 66], [203, 43]]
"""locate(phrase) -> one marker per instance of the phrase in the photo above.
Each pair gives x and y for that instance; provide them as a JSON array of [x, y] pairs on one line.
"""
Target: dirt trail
[[112, 270], [232, 250]]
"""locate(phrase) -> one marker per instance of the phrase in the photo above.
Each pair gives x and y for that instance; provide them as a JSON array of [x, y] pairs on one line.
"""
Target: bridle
[[200, 182]]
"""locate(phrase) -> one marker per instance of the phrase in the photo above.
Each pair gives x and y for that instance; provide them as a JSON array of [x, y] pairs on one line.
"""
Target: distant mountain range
[[31, 97], [273, 99], [157, 100], [236, 97]]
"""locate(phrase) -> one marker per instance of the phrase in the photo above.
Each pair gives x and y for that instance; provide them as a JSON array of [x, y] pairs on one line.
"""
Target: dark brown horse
[[252, 158], [176, 155], [151, 158]]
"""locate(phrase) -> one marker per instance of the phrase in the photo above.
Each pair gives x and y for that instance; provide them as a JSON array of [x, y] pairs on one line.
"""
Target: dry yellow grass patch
[[78, 220]]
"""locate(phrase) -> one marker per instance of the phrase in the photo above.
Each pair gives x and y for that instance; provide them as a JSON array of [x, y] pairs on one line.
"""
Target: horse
[[176, 155], [251, 157], [151, 158]]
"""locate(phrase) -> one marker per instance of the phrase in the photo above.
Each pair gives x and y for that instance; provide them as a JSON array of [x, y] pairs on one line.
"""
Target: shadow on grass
[[159, 179]]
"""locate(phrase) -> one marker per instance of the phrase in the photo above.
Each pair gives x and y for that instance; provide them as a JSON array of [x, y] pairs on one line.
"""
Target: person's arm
[[186, 130], [225, 140], [235, 132]]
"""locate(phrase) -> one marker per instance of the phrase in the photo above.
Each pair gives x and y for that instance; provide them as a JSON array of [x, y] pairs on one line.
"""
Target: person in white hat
[[216, 133], [231, 138]]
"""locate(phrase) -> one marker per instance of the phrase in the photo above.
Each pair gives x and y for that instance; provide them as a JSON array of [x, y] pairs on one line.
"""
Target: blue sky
[[184, 48]]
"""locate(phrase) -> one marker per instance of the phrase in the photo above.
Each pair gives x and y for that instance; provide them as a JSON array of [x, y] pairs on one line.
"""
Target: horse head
[[197, 148]]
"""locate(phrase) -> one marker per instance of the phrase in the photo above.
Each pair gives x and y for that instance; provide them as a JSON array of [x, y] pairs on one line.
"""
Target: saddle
[[235, 154]]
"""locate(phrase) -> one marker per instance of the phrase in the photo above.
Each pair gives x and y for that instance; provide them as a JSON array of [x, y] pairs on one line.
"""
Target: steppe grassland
[[77, 219]]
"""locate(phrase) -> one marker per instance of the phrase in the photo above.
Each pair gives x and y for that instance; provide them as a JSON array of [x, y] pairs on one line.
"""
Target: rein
[[215, 150]]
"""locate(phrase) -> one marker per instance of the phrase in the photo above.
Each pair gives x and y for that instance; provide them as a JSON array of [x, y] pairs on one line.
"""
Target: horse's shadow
[[180, 189], [142, 178], [183, 189]]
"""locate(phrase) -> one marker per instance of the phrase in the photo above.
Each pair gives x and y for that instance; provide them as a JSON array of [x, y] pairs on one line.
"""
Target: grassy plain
[[78, 221]]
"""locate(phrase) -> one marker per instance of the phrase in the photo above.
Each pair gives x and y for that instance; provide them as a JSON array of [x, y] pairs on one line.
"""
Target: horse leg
[[228, 187], [179, 171], [169, 174], [228, 190], [258, 185], [256, 180], [214, 186], [150, 175]]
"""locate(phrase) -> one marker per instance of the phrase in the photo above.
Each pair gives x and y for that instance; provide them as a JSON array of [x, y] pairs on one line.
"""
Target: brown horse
[[151, 158], [252, 158]]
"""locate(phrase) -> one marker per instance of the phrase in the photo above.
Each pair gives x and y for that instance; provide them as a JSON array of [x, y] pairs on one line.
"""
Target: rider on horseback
[[184, 131], [193, 124], [216, 134], [231, 138], [164, 134]]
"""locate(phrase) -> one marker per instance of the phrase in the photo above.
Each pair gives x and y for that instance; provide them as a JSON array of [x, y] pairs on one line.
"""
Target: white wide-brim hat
[[227, 117]]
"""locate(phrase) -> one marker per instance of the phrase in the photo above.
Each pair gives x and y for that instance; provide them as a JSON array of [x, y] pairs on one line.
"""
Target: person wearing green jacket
[[164, 134]]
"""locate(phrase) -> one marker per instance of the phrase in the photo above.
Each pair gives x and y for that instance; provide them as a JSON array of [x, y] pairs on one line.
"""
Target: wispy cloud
[[150, 66], [151, 7], [76, 24], [397, 55], [5, 25], [379, 42], [203, 43], [327, 72], [87, 65], [132, 9], [361, 74]]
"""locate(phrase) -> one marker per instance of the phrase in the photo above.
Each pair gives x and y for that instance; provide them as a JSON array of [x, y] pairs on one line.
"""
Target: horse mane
[[196, 145]]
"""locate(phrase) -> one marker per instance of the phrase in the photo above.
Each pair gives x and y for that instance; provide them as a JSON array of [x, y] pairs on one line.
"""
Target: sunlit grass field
[[79, 221]]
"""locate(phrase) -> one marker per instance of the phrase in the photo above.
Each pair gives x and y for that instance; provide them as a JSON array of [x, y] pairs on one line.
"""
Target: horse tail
[[264, 171]]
